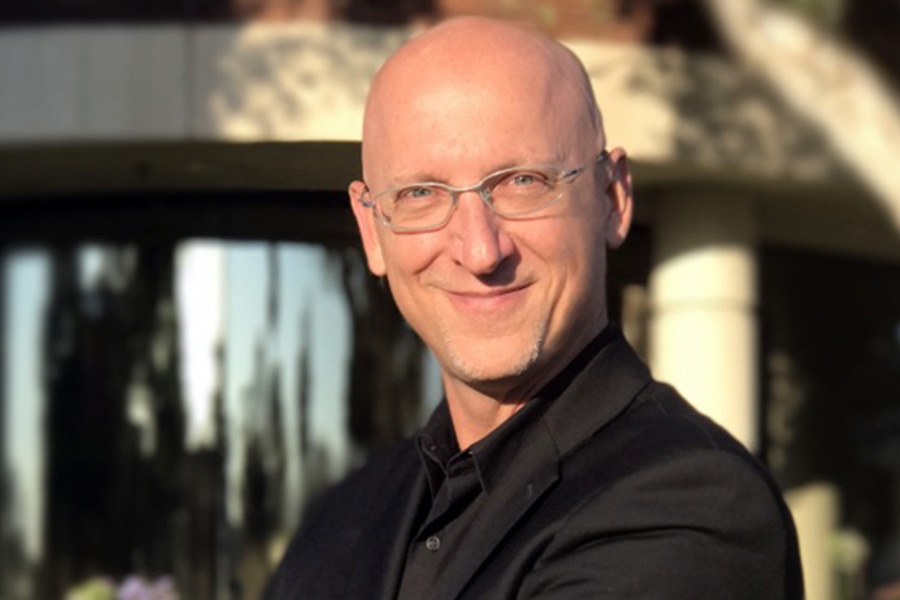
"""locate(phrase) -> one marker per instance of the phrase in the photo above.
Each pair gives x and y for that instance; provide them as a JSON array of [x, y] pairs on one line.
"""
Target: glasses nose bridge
[[484, 192]]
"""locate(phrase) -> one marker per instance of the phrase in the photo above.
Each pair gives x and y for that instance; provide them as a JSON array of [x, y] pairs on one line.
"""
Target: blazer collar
[[596, 394], [595, 387]]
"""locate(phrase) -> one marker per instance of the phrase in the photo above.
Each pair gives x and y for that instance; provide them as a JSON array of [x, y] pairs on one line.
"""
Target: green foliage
[[93, 589]]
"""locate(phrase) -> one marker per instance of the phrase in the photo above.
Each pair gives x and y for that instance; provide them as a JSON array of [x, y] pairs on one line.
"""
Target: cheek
[[407, 256], [581, 258], [574, 243]]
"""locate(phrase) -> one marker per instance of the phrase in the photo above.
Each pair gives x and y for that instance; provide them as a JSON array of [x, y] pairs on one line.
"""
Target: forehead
[[455, 124], [472, 111]]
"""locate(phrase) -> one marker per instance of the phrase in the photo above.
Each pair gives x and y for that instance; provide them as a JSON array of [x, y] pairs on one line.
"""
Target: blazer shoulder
[[663, 488], [659, 404], [321, 557], [358, 493], [664, 441]]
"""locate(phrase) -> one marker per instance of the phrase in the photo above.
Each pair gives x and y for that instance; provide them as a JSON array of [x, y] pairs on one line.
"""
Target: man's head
[[504, 303]]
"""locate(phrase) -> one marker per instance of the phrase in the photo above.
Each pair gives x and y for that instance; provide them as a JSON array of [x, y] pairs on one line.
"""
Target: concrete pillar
[[816, 511], [703, 341], [703, 306]]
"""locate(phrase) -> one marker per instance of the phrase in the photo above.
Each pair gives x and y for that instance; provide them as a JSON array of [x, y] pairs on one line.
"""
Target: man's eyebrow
[[554, 158], [415, 177], [426, 177]]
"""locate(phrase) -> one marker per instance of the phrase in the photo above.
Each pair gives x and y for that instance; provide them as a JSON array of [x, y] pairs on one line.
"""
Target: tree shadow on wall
[[728, 119], [289, 84]]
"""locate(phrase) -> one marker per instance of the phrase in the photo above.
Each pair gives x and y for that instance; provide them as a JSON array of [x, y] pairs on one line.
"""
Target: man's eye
[[415, 193], [523, 179], [527, 179]]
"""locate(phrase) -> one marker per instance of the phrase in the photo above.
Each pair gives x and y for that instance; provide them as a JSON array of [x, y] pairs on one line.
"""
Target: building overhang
[[118, 110]]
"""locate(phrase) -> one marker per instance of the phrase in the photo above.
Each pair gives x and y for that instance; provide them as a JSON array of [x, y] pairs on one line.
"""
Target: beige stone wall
[[261, 82], [307, 81]]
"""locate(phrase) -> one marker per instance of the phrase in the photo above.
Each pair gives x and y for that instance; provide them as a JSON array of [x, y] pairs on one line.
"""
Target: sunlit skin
[[504, 304]]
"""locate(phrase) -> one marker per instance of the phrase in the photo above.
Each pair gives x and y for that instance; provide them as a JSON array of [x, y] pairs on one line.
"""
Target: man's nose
[[480, 243]]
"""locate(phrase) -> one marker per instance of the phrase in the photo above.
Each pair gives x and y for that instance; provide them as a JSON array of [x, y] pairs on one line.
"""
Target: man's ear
[[619, 197], [365, 220]]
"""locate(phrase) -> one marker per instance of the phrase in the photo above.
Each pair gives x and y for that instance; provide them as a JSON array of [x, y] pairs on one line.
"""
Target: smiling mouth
[[487, 300]]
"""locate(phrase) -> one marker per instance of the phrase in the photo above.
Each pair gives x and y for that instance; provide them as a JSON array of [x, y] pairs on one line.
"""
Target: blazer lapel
[[600, 390], [596, 396], [523, 485]]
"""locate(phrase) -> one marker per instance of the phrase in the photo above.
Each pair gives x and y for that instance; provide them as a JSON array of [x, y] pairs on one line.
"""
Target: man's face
[[503, 303]]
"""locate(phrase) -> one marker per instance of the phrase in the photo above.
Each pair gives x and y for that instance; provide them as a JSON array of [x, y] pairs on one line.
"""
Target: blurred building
[[189, 349]]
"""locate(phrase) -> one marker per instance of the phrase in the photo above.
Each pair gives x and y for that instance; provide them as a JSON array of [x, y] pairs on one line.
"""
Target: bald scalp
[[475, 52]]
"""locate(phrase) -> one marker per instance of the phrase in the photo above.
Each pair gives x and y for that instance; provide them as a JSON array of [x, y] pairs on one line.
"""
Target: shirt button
[[433, 543]]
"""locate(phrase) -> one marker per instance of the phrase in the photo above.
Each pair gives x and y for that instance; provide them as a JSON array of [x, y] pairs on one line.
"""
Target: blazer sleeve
[[705, 524]]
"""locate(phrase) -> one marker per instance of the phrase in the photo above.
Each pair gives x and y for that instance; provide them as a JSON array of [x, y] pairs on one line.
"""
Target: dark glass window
[[831, 339], [178, 376]]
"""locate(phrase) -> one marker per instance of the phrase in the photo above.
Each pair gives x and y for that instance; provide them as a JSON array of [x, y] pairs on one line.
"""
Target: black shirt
[[459, 481]]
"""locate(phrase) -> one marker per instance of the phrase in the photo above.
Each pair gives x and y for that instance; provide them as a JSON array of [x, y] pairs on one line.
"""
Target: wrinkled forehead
[[478, 82]]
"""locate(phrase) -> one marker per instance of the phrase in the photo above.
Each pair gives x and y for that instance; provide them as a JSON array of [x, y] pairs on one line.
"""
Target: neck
[[477, 409], [476, 414]]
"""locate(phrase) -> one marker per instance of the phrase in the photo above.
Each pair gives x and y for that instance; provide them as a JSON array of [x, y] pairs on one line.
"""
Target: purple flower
[[134, 587]]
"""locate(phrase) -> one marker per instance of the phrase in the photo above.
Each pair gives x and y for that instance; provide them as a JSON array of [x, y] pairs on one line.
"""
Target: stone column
[[703, 297]]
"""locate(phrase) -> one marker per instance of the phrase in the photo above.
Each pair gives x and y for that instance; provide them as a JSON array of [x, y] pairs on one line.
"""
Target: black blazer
[[623, 491]]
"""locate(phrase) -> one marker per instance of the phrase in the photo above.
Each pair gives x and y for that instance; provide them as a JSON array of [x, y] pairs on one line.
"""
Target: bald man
[[555, 467]]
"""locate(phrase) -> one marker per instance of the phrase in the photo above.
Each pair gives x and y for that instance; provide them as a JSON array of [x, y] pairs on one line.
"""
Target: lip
[[490, 300]]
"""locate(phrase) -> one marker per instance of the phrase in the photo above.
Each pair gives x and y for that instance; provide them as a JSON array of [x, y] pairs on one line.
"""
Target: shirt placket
[[444, 526]]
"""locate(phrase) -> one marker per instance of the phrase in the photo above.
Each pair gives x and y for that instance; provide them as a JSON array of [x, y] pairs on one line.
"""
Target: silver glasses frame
[[369, 201]]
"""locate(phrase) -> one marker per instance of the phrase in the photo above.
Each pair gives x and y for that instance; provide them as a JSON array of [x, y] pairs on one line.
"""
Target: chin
[[491, 362]]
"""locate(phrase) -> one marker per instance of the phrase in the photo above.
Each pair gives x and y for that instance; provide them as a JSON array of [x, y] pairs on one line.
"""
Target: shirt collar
[[437, 444]]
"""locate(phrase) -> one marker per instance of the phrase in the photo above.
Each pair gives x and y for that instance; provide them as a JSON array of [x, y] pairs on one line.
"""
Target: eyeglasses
[[510, 193]]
